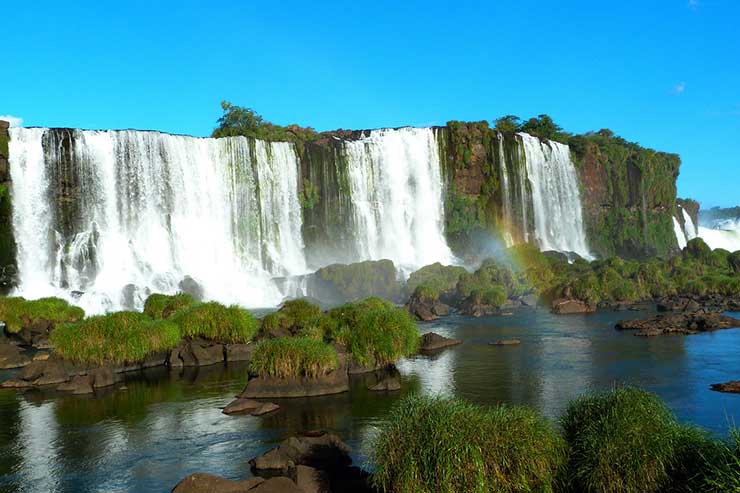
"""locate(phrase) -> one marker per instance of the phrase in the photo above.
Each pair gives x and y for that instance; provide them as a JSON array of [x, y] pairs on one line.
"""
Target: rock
[[15, 384], [432, 341], [324, 451], [190, 286], [335, 382], [422, 311], [202, 482], [48, 372], [474, 307], [102, 377], [36, 333], [731, 387], [506, 342], [155, 359], [529, 300], [41, 356], [277, 485], [78, 385], [387, 384], [266, 408], [441, 309], [11, 357], [686, 323], [241, 406], [568, 306], [207, 353], [310, 480], [239, 352]]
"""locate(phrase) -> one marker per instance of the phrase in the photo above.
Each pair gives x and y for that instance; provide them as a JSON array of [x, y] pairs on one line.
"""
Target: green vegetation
[[7, 240], [122, 337], [296, 317], [434, 444], [214, 321], [18, 312], [362, 279], [163, 306], [434, 280], [375, 332], [237, 120], [287, 357], [724, 470]]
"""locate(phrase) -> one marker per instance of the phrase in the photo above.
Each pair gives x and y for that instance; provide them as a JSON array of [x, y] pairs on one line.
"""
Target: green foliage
[[162, 306], [436, 277], [698, 250], [625, 440], [121, 337], [508, 124], [216, 322], [362, 279], [491, 276], [426, 293], [435, 444], [287, 357], [18, 313], [297, 317], [375, 331], [309, 195], [237, 120], [723, 473], [545, 128]]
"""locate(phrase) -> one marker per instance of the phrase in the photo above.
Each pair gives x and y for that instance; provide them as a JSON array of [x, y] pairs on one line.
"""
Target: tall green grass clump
[[625, 440], [121, 337], [446, 445], [216, 322], [724, 471], [376, 332], [18, 312], [296, 317], [287, 357], [162, 306]]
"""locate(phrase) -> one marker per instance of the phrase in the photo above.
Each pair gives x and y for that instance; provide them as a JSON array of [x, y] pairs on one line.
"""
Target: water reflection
[[157, 427]]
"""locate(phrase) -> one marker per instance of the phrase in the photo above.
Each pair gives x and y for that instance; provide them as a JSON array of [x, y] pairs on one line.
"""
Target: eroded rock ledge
[[685, 323]]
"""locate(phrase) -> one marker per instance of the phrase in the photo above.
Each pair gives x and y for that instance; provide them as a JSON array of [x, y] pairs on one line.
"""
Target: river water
[[162, 426]]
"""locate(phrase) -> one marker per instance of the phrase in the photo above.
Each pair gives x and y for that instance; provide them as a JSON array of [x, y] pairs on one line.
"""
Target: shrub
[[19, 312], [625, 440], [214, 321], [161, 306], [298, 317], [435, 444], [426, 293], [375, 331], [293, 357], [121, 337], [437, 277]]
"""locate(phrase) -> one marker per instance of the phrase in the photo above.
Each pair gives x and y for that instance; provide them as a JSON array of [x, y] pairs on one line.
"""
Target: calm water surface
[[163, 426]]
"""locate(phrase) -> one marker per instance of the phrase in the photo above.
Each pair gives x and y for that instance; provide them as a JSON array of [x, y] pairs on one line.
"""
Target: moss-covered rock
[[349, 282]]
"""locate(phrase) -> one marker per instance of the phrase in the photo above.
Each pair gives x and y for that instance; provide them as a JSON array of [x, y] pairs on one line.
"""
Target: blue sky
[[663, 73]]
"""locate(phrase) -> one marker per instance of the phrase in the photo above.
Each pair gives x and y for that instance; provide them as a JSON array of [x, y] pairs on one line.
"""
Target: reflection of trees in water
[[10, 429]]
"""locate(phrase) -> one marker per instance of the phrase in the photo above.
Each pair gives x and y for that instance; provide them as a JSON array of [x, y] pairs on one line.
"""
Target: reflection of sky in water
[[159, 430]]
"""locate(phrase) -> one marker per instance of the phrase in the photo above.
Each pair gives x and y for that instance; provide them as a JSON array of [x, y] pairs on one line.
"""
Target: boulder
[[334, 382], [190, 286], [432, 341], [388, 384], [277, 485], [506, 342], [102, 377], [239, 352], [40, 356], [530, 299], [569, 306], [731, 387], [320, 450], [78, 385], [241, 406], [203, 482], [266, 408], [310, 480], [421, 311], [207, 353], [474, 307], [11, 357], [685, 323], [48, 372], [36, 333], [441, 309]]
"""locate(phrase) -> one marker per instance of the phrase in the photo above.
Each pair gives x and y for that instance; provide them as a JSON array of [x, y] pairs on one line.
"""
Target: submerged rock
[[679, 323], [266, 408], [241, 405], [506, 342], [201, 482], [431, 341], [80, 384], [321, 450], [731, 387], [388, 384]]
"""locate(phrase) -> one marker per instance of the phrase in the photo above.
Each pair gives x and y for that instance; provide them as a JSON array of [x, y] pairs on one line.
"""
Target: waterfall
[[688, 225], [506, 193], [556, 200], [396, 190], [680, 235], [721, 233], [106, 217]]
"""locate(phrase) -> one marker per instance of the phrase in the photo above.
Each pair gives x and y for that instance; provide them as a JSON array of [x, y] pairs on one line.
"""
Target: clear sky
[[664, 73]]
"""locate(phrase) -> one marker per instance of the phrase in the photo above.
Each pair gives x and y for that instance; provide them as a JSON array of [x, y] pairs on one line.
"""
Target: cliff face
[[7, 242]]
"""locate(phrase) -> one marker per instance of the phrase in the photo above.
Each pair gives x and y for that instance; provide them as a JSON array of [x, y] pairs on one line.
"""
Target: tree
[[543, 127], [508, 124], [237, 120]]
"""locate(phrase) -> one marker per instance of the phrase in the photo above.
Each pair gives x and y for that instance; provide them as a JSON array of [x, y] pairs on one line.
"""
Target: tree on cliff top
[[238, 120]]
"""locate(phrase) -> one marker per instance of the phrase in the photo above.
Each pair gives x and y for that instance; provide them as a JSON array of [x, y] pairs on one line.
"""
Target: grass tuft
[[216, 322], [297, 317], [19, 312], [121, 337], [446, 445], [162, 306], [287, 357]]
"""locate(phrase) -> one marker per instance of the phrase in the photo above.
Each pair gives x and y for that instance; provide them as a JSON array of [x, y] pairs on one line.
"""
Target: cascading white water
[[506, 193], [688, 225], [680, 235], [154, 208], [556, 199], [721, 233], [396, 190]]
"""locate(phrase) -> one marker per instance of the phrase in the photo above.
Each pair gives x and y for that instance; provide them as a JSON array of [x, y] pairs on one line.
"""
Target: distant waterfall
[[396, 189], [117, 214], [680, 235], [556, 200], [688, 225]]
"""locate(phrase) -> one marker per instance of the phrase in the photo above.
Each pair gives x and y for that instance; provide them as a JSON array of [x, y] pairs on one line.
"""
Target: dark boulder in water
[[732, 387], [203, 482], [388, 384], [11, 356], [569, 306], [334, 382], [679, 323], [432, 341], [190, 286]]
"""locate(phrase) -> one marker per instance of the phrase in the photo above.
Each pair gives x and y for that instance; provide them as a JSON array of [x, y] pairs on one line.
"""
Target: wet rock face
[[203, 482], [334, 382], [431, 341], [686, 323], [11, 356], [569, 306]]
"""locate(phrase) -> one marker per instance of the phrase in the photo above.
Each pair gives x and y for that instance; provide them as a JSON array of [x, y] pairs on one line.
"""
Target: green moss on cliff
[[363, 279]]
